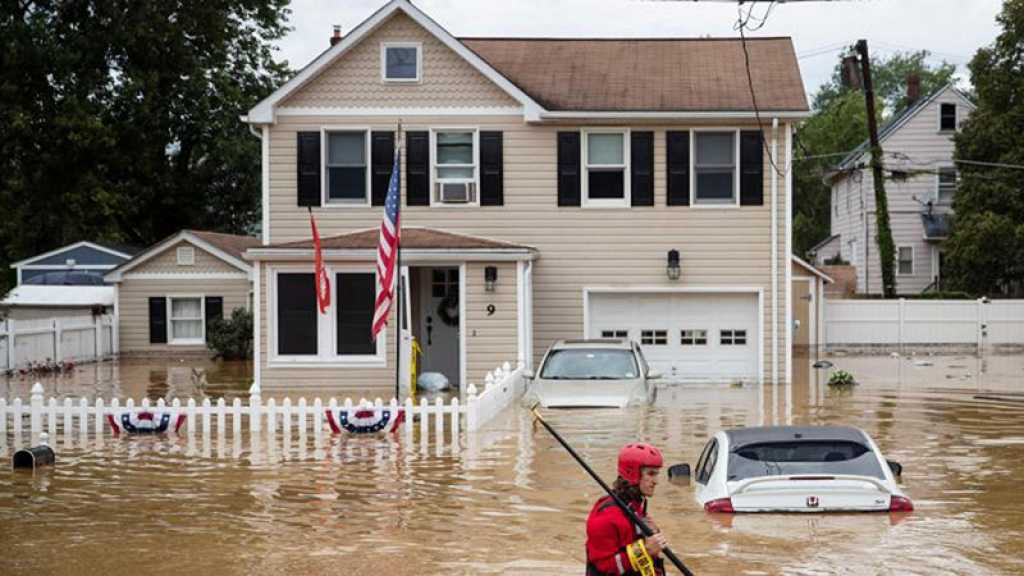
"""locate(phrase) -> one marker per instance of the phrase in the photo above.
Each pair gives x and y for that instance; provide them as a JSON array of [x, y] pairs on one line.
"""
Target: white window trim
[[736, 167], [327, 327], [956, 117], [190, 250], [913, 262], [626, 200], [938, 183], [324, 191], [435, 202], [384, 62], [170, 319]]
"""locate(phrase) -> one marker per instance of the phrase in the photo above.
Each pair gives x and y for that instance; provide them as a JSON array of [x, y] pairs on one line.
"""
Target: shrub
[[841, 379], [231, 338]]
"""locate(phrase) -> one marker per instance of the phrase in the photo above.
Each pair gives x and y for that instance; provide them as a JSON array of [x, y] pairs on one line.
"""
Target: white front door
[[439, 322], [685, 336]]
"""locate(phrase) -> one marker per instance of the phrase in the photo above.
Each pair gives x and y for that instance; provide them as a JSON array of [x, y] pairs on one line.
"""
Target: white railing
[[438, 420], [901, 322], [74, 339]]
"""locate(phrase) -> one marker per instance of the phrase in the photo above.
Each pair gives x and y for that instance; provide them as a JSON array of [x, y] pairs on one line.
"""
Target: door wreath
[[448, 309]]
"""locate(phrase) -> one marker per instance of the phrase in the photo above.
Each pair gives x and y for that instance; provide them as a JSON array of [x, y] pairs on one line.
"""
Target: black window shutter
[[751, 168], [382, 158], [641, 164], [214, 309], [492, 171], [678, 166], [296, 314], [158, 320], [568, 168], [308, 162], [417, 169], [356, 296]]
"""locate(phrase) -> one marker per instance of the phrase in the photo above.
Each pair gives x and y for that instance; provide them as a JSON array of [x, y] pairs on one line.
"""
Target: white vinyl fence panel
[[980, 323], [71, 339]]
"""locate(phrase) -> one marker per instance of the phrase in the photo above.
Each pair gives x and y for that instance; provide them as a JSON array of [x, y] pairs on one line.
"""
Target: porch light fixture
[[673, 268], [490, 278]]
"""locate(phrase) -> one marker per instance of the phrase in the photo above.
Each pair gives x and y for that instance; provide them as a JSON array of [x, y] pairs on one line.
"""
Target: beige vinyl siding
[[167, 263], [490, 340], [579, 247], [447, 80], [133, 305]]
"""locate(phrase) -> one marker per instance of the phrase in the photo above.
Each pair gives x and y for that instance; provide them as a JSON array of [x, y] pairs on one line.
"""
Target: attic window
[[947, 117], [186, 256], [400, 61]]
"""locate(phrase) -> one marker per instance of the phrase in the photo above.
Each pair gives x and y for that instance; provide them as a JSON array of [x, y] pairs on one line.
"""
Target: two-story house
[[921, 179], [551, 189]]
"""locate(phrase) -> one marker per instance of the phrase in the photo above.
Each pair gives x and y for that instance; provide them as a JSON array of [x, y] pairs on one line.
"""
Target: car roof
[[739, 437], [622, 343]]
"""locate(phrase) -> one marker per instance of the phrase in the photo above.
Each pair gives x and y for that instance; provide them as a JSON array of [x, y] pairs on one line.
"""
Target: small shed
[[78, 264], [808, 305]]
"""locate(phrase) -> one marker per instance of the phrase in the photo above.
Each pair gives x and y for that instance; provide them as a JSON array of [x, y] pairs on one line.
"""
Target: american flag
[[387, 253]]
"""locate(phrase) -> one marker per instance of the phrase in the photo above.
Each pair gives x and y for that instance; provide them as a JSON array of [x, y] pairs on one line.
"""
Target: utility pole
[[886, 248]]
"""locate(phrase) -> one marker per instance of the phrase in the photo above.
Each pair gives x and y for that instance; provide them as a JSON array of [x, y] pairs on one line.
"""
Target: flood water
[[513, 502]]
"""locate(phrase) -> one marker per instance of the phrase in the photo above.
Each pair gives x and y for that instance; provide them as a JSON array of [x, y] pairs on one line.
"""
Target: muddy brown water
[[512, 501]]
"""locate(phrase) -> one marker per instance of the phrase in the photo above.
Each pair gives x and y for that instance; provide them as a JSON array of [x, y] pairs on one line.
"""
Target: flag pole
[[398, 277]]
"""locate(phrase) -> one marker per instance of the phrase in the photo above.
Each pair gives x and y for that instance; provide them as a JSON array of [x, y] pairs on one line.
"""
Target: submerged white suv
[[606, 373]]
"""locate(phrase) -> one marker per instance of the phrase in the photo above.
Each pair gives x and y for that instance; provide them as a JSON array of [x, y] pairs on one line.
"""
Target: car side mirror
[[679, 471], [528, 374], [653, 375], [896, 467]]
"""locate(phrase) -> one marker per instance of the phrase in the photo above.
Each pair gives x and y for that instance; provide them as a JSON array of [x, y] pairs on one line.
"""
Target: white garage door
[[684, 336]]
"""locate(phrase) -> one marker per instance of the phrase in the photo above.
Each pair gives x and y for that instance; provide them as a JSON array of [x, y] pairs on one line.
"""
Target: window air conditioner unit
[[456, 192]]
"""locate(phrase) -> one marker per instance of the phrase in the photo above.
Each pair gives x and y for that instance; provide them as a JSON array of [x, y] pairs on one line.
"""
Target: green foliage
[[120, 119], [231, 339], [839, 124], [841, 379], [985, 253]]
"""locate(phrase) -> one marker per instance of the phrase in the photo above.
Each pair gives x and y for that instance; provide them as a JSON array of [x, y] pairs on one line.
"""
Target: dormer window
[[947, 117], [401, 61]]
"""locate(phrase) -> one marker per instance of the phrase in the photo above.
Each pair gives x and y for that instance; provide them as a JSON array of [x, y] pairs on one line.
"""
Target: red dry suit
[[609, 530]]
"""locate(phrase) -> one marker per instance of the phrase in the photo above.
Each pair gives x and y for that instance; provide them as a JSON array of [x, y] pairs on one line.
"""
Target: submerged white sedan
[[604, 373], [796, 469]]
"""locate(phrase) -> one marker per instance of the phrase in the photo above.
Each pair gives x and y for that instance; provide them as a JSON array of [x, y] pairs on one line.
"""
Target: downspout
[[788, 267], [264, 135], [775, 257]]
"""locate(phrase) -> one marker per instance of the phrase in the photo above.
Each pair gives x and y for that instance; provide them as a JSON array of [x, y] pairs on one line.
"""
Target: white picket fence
[[438, 420], [897, 323], [62, 339]]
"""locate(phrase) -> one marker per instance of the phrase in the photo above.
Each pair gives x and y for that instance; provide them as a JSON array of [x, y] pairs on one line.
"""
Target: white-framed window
[[606, 174], [654, 337], [614, 334], [186, 314], [905, 261], [693, 337], [401, 61], [948, 121], [732, 338], [455, 162], [945, 185], [340, 337], [716, 173], [346, 166], [186, 255]]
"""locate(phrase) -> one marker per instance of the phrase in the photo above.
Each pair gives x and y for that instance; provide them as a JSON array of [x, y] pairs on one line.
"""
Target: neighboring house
[[551, 189], [166, 294], [808, 305], [81, 263], [39, 302], [921, 180]]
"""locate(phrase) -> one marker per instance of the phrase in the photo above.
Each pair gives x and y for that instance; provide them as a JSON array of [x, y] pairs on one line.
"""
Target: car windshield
[[590, 364], [805, 457]]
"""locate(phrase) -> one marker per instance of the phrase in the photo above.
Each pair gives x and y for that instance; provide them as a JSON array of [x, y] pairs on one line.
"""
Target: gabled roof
[[59, 296], [575, 77], [896, 123], [227, 247], [806, 266], [122, 251]]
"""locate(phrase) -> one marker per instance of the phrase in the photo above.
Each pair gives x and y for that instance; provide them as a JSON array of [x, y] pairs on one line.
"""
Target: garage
[[684, 335]]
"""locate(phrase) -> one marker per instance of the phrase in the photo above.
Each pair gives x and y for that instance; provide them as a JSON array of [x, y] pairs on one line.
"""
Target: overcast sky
[[951, 29]]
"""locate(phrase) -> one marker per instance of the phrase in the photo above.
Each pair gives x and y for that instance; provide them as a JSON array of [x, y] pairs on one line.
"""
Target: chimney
[[913, 89], [337, 35]]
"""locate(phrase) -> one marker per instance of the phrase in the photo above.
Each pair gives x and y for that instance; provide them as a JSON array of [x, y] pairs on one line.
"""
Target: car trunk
[[805, 493]]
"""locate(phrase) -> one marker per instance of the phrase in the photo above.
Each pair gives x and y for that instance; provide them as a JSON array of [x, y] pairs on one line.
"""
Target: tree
[[985, 253], [120, 119], [839, 124]]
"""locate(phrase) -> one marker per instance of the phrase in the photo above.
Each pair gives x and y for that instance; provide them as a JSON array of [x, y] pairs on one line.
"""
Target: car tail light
[[899, 504], [721, 505]]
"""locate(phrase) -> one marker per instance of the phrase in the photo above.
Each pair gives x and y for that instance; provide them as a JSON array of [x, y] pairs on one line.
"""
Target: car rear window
[[804, 457], [590, 364]]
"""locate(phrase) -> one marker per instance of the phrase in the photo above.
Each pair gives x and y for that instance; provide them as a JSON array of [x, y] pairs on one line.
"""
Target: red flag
[[323, 283]]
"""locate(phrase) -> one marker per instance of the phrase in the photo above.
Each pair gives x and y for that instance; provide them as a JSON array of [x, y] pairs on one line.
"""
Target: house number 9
[[491, 309]]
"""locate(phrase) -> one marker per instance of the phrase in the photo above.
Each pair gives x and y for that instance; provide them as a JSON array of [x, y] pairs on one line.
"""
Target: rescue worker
[[616, 546]]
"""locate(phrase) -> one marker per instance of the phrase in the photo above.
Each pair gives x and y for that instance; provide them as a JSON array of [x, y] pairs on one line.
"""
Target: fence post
[[3, 421], [471, 408], [97, 333], [36, 414], [903, 315], [438, 425], [254, 408], [56, 340], [980, 331], [97, 420], [408, 419], [10, 344]]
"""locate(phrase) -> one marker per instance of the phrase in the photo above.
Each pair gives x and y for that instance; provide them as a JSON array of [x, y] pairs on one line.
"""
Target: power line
[[741, 24]]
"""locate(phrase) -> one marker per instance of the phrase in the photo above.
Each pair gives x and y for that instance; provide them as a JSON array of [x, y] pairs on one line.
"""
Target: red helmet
[[632, 457]]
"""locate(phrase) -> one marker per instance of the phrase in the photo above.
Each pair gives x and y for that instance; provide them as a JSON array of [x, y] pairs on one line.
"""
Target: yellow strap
[[639, 559]]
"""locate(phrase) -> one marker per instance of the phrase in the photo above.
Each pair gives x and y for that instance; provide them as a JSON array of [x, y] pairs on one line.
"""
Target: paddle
[[625, 508]]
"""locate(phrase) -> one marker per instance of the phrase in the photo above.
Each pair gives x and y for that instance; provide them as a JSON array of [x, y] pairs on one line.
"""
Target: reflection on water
[[511, 501]]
